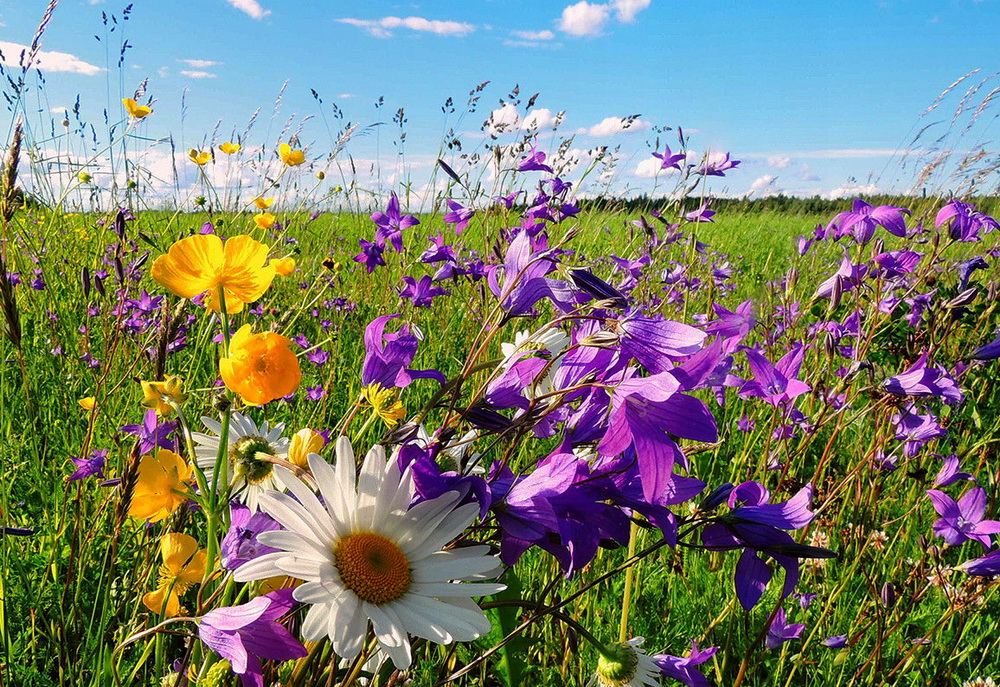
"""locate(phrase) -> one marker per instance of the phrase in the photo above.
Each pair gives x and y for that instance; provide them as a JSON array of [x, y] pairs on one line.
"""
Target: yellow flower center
[[385, 403], [248, 455], [373, 567]]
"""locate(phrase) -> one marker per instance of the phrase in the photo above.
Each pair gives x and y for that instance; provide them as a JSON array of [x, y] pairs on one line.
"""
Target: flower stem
[[629, 577]]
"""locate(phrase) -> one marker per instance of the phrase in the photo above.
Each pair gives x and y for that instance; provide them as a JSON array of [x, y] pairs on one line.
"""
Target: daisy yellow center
[[616, 666], [373, 567], [248, 455], [385, 403]]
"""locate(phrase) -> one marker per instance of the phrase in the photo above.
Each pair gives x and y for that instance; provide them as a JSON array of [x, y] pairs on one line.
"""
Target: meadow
[[296, 431]]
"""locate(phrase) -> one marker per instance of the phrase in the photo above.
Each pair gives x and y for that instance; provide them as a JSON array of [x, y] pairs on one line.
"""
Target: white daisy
[[627, 665], [366, 555], [552, 340], [246, 475]]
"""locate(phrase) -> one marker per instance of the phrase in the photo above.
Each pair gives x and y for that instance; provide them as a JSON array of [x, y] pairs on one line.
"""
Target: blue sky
[[813, 97]]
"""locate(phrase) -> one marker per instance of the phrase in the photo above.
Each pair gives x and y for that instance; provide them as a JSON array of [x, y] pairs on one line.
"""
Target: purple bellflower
[[670, 159], [89, 467], [716, 164], [776, 384], [757, 527], [990, 351], [921, 380], [949, 472], [370, 255], [966, 221], [421, 293], [391, 224], [387, 356], [534, 162], [247, 633], [684, 669], [780, 631], [524, 281], [151, 435], [863, 219], [962, 521], [459, 216], [240, 543]]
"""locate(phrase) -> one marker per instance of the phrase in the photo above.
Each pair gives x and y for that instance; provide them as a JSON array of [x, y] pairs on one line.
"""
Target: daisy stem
[[629, 576]]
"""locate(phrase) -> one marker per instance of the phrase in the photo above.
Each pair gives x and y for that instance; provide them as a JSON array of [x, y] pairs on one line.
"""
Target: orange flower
[[199, 264], [265, 220], [161, 486], [263, 203], [291, 157], [283, 266], [134, 109], [230, 148], [260, 367], [183, 566], [87, 403]]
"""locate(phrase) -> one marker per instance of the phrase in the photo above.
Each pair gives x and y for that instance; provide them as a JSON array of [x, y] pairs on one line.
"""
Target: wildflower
[[163, 396], [835, 642], [421, 293], [260, 367], [534, 162], [88, 402], [459, 216], [151, 434], [283, 266], [89, 467], [183, 566], [247, 633], [990, 351], [921, 380], [716, 163], [200, 157], [304, 442], [390, 225], [385, 403], [949, 472], [367, 555], [265, 220], [202, 264], [701, 213], [962, 521], [863, 219], [134, 109], [240, 543], [966, 221], [84, 177], [263, 203], [627, 665], [161, 486], [387, 356], [776, 384], [248, 469], [370, 255], [290, 157], [230, 148], [669, 159], [756, 526], [780, 631]]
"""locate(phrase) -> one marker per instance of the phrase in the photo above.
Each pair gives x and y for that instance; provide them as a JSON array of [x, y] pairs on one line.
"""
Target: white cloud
[[48, 61], [650, 169], [503, 120], [627, 9], [197, 74], [852, 190], [806, 173], [382, 28], [834, 154], [345, 96], [609, 126], [200, 64], [58, 110], [764, 186], [541, 118], [163, 72], [250, 7], [779, 161], [544, 35], [583, 19]]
